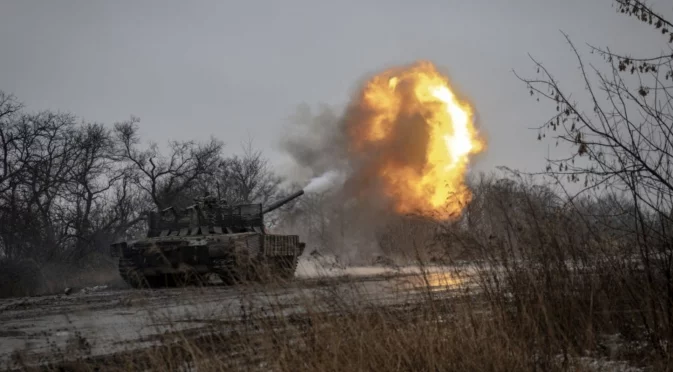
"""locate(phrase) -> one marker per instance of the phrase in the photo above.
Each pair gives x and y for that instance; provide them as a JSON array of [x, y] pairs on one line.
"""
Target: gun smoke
[[324, 182]]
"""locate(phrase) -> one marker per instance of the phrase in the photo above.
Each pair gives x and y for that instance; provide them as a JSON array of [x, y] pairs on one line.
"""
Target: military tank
[[184, 247]]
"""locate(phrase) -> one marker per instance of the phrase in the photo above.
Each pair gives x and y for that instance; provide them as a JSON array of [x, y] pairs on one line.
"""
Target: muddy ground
[[99, 321]]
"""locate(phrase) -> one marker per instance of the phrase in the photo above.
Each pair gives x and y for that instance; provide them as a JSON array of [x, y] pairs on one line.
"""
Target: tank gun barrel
[[282, 202]]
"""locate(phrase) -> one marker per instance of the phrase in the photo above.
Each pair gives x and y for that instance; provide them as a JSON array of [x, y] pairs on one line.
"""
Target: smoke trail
[[324, 182]]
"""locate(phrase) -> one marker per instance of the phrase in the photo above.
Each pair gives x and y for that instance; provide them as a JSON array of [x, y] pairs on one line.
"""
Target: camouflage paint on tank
[[210, 236]]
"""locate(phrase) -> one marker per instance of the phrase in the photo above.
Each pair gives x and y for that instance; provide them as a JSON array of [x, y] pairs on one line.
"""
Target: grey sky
[[190, 69]]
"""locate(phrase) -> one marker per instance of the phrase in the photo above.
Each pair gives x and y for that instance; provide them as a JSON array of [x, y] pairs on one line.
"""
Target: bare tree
[[47, 156], [625, 143], [67, 190], [248, 178], [59, 182], [621, 138], [98, 192], [165, 179], [9, 165]]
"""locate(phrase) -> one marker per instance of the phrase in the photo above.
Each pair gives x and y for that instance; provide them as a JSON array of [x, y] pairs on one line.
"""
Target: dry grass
[[552, 294], [467, 332]]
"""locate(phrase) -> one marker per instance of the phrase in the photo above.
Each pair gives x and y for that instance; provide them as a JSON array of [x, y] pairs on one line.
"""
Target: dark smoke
[[316, 141]]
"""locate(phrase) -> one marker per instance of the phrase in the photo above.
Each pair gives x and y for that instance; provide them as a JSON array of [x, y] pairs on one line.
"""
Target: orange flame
[[415, 137]]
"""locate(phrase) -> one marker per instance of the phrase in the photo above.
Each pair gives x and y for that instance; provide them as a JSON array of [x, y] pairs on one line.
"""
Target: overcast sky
[[189, 69]]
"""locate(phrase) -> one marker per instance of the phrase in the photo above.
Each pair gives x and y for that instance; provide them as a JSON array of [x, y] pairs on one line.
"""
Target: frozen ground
[[100, 321]]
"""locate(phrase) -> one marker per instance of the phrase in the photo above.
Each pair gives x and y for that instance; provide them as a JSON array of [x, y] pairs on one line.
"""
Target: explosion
[[412, 137]]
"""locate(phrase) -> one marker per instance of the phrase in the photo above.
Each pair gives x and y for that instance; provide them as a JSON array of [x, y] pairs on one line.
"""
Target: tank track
[[130, 274], [225, 269], [231, 273]]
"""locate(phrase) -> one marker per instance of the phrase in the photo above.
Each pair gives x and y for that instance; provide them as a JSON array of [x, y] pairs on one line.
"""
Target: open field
[[376, 318], [98, 321]]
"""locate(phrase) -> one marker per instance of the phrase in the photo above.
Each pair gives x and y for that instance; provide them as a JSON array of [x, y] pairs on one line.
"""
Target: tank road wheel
[[226, 270], [193, 278], [185, 279], [154, 281], [200, 280], [130, 274], [167, 281]]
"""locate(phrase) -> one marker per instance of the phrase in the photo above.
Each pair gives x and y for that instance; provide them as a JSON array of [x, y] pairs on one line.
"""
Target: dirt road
[[101, 321]]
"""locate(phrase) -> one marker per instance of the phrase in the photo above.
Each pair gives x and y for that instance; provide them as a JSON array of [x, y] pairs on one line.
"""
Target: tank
[[184, 247]]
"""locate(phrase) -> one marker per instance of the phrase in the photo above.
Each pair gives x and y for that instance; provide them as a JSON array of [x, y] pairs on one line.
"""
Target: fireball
[[413, 137]]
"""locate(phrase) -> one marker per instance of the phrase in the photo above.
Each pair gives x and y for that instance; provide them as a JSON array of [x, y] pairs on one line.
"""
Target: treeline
[[68, 188], [333, 224]]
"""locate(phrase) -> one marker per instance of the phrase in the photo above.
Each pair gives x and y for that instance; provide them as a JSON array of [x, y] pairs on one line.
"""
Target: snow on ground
[[329, 266]]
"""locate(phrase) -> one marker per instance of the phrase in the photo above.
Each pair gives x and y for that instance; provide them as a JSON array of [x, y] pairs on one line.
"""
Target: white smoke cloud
[[325, 181]]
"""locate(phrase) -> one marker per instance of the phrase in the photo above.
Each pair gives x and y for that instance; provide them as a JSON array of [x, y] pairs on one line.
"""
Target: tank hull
[[183, 260]]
